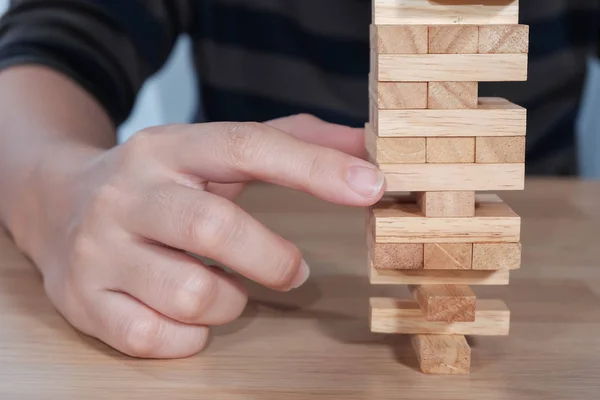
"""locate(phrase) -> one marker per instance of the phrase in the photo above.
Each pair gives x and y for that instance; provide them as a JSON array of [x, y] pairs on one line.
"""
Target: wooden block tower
[[438, 144]]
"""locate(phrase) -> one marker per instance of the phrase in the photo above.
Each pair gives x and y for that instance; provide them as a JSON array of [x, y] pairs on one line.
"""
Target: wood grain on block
[[398, 95], [495, 150], [419, 12], [451, 67], [397, 256], [453, 39], [399, 39], [492, 117], [445, 303], [498, 39], [442, 354], [496, 256], [434, 277], [450, 150], [388, 315], [452, 95], [394, 150], [448, 256], [404, 223], [446, 204], [453, 177]]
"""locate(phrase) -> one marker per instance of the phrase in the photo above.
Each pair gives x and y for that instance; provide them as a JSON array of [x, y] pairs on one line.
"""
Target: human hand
[[112, 236]]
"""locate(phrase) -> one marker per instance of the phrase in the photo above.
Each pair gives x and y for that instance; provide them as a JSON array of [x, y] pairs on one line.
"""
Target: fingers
[[235, 152], [134, 329], [179, 286], [206, 224], [311, 129]]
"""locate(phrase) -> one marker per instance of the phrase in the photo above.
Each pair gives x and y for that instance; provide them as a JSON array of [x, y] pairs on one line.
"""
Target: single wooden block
[[394, 150], [438, 277], [492, 318], [452, 95], [498, 39], [399, 39], [492, 117], [453, 39], [446, 204], [442, 354], [450, 150], [453, 177], [398, 95], [495, 150], [419, 12], [397, 256], [448, 256], [404, 223], [445, 303], [496, 256], [451, 67]]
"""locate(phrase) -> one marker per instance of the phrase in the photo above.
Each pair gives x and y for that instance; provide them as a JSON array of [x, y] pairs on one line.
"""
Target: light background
[[170, 97]]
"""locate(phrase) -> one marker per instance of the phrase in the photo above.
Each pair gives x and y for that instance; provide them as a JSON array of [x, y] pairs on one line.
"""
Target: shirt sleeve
[[110, 47]]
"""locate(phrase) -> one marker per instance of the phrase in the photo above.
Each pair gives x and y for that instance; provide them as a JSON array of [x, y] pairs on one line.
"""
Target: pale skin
[[108, 226]]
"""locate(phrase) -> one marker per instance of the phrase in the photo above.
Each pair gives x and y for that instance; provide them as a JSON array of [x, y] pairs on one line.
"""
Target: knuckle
[[214, 225], [142, 337], [139, 145], [285, 270], [241, 141], [194, 297]]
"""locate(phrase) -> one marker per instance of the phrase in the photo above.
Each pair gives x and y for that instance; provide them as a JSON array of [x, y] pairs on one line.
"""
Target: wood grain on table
[[315, 343]]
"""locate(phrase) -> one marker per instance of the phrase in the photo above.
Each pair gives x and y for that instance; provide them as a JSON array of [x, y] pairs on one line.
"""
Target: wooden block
[[453, 39], [442, 354], [452, 95], [397, 256], [394, 150], [450, 150], [498, 39], [398, 39], [445, 303], [419, 12], [434, 277], [446, 204], [404, 223], [451, 67], [495, 150], [398, 95], [496, 256], [492, 117], [448, 256], [492, 318], [453, 177]]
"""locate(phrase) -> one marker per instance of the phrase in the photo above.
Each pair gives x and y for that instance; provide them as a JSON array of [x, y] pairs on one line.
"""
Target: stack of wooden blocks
[[438, 144]]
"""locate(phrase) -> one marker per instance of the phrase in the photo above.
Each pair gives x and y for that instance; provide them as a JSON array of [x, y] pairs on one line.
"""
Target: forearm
[[49, 126]]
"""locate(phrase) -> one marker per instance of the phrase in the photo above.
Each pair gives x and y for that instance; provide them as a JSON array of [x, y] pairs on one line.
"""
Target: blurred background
[[170, 97]]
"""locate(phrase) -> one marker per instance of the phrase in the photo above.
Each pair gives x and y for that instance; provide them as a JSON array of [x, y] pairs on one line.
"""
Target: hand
[[111, 237]]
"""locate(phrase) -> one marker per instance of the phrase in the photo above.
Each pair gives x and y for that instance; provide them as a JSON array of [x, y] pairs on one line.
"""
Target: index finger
[[236, 152]]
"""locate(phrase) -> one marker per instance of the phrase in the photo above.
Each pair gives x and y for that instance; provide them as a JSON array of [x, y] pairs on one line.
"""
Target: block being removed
[[446, 204], [388, 315], [420, 12], [398, 95], [442, 354], [450, 150], [445, 303], [394, 150]]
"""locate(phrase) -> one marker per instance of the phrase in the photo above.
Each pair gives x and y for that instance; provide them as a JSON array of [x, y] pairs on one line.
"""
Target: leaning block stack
[[439, 143]]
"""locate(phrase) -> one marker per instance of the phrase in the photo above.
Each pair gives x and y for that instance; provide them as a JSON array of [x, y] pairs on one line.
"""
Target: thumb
[[311, 129]]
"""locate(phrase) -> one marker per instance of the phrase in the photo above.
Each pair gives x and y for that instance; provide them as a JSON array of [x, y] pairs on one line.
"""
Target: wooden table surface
[[315, 342]]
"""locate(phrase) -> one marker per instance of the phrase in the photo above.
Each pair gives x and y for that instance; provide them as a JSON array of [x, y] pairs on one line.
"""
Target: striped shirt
[[261, 59]]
